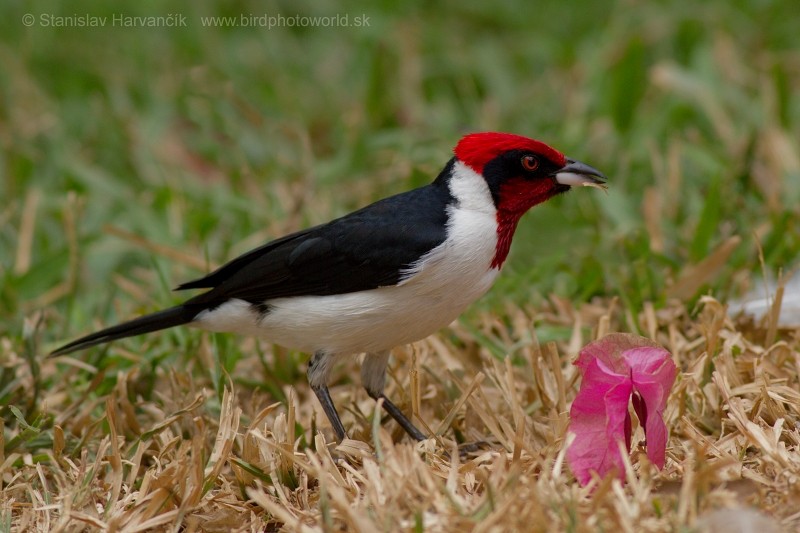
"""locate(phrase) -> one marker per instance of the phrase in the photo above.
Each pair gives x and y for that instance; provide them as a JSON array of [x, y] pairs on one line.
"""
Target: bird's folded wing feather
[[364, 250]]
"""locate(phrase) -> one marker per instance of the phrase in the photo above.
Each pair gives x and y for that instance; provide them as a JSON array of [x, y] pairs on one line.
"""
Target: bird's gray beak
[[577, 174]]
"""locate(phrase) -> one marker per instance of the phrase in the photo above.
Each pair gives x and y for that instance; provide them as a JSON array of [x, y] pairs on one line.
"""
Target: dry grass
[[191, 461]]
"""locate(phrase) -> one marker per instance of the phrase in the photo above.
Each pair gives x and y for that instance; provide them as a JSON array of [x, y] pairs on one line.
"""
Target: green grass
[[210, 141], [196, 137]]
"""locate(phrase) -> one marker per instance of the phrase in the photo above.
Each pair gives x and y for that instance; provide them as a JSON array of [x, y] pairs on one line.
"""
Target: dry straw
[[189, 460]]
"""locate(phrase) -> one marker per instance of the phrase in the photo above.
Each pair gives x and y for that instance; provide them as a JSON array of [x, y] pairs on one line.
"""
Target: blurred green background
[[210, 137]]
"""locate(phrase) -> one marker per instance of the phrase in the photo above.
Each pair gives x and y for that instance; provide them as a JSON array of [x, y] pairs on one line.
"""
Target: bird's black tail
[[174, 316]]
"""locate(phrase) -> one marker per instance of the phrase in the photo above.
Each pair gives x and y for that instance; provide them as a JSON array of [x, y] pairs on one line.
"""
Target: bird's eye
[[530, 163]]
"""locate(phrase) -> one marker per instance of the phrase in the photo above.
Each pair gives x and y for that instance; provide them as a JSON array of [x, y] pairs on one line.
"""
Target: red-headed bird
[[388, 274]]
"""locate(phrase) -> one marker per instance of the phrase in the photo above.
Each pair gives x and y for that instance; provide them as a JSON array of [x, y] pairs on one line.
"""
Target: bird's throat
[[506, 226], [517, 196]]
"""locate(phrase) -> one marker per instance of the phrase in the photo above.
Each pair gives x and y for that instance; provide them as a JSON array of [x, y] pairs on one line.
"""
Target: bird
[[386, 275]]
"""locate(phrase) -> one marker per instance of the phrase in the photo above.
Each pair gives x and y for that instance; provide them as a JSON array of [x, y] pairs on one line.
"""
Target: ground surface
[[141, 153]]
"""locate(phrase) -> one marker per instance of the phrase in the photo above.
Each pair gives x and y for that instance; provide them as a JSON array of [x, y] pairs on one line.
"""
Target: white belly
[[449, 279]]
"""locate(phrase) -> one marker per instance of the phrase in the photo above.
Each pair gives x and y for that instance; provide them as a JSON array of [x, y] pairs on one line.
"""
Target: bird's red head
[[478, 149], [520, 173]]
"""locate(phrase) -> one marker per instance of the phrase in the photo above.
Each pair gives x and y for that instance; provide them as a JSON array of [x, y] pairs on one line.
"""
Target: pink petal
[[652, 373], [598, 418], [609, 350], [614, 369]]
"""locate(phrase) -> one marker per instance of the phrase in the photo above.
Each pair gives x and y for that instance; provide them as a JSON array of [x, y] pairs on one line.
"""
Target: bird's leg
[[400, 418], [324, 397], [373, 377], [319, 368]]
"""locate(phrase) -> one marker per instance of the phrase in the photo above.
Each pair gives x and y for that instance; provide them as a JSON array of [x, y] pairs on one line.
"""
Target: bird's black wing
[[366, 249]]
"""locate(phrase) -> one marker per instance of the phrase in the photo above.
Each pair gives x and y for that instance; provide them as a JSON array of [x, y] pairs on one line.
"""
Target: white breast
[[432, 294]]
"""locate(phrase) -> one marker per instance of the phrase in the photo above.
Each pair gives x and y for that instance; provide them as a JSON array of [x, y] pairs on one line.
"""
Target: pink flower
[[616, 369]]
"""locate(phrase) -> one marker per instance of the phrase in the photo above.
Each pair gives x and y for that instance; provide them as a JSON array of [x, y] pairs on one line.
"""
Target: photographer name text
[[118, 20]]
